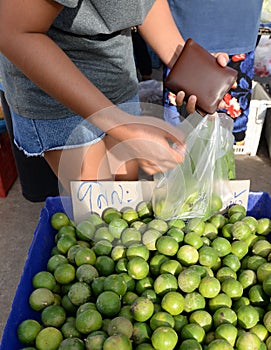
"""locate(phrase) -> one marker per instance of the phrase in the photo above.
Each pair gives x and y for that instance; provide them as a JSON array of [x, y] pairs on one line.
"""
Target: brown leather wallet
[[196, 72]]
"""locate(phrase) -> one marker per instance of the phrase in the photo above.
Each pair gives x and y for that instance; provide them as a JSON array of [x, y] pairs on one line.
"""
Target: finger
[[180, 98], [222, 59], [191, 104]]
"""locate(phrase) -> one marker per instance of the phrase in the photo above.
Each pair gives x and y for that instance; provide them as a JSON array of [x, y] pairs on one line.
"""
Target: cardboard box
[[8, 170], [259, 104], [259, 205]]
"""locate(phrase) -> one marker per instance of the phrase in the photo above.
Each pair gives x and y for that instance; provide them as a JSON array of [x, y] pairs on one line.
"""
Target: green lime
[[88, 321], [150, 294], [129, 281], [126, 312], [210, 231], [79, 293], [196, 225], [180, 321], [187, 255], [190, 344], [216, 203], [222, 246], [236, 208], [248, 341], [95, 340], [103, 233], [59, 220], [209, 287], [142, 309], [53, 315], [235, 217], [263, 226], [228, 332], [117, 226], [65, 243], [224, 315], [138, 268], [85, 256], [137, 250], [55, 261], [120, 325], [117, 341], [115, 283], [49, 338], [69, 330], [219, 344], [167, 245], [260, 331], [267, 285], [171, 266], [118, 252], [194, 301], [149, 238], [86, 273], [44, 279], [86, 306], [218, 220], [193, 331], [240, 230], [97, 285], [105, 265], [156, 262], [108, 303], [267, 320], [173, 303], [193, 239], [189, 280], [262, 248], [72, 344], [224, 273], [164, 338], [257, 295], [232, 262], [139, 226], [143, 284], [41, 298], [227, 231], [68, 305], [239, 248], [72, 252], [130, 236], [144, 209], [165, 283], [232, 288], [102, 247], [28, 330], [110, 214], [68, 230], [208, 256], [142, 333], [202, 318], [176, 233], [64, 273], [160, 319], [85, 230], [247, 316], [247, 278], [263, 271], [121, 265], [159, 225], [221, 300]]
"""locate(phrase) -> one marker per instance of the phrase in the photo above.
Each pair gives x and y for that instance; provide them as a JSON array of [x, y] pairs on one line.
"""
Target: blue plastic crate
[[259, 206]]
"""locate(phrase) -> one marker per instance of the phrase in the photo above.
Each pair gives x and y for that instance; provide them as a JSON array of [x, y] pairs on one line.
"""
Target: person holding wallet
[[225, 26], [67, 69]]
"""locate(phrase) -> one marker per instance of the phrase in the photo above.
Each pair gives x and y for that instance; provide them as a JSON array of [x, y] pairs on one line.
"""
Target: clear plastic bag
[[200, 185]]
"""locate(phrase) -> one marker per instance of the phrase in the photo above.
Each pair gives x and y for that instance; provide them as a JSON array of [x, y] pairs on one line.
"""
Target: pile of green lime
[[128, 280]]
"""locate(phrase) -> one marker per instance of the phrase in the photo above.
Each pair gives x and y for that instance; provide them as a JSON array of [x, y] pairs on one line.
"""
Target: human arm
[[24, 41]]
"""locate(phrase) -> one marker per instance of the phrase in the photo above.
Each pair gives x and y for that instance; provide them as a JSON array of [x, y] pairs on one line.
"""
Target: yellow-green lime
[[95, 340], [248, 341], [194, 301], [88, 321], [261, 247], [159, 225], [257, 295], [138, 268], [58, 220], [167, 245], [85, 256], [193, 239], [232, 262], [144, 209], [86, 273], [187, 255], [65, 273], [161, 318], [221, 300], [190, 344], [118, 252], [179, 322], [224, 273], [208, 256], [79, 293], [263, 226], [120, 325], [224, 315], [260, 330], [171, 266], [53, 315], [193, 331], [49, 338], [28, 330], [69, 330], [240, 230], [115, 283], [173, 303], [102, 247], [117, 226], [263, 271], [196, 225], [222, 246], [130, 236], [143, 284], [247, 316], [149, 238], [176, 233], [137, 249], [209, 287], [110, 214], [142, 309], [247, 278], [232, 288], [239, 248], [130, 215], [41, 298], [267, 320], [65, 243], [164, 338], [165, 283], [44, 279], [255, 261], [189, 280], [56, 260], [219, 344], [103, 233], [72, 344], [228, 332], [85, 230], [117, 341], [202, 318]]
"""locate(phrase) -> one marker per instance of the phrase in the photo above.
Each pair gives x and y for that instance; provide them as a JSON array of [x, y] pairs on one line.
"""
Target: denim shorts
[[36, 136]]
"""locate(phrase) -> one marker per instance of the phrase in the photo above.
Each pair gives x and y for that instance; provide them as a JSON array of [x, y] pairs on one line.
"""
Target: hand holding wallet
[[197, 72]]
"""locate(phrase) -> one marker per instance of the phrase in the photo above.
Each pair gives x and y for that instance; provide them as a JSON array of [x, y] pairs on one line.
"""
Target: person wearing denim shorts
[[68, 67]]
